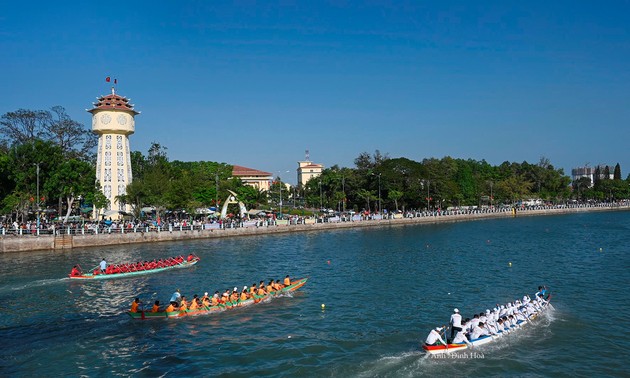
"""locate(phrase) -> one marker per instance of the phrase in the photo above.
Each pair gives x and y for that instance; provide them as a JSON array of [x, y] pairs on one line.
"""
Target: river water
[[383, 290]]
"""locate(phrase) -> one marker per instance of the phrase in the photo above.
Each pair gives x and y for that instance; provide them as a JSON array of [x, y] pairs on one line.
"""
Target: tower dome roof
[[113, 102]]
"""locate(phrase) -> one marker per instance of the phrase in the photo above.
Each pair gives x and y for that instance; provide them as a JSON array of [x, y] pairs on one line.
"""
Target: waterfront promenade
[[74, 236]]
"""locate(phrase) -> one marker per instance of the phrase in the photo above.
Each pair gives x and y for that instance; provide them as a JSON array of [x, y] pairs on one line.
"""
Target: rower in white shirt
[[479, 331], [474, 321], [434, 337], [502, 311], [461, 338]]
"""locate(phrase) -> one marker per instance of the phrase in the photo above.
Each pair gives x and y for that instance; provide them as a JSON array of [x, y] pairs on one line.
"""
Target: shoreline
[[27, 243]]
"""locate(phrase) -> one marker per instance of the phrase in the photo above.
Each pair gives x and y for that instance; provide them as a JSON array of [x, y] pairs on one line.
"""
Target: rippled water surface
[[383, 288]]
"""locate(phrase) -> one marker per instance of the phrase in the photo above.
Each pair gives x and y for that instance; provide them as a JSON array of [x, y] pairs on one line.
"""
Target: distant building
[[579, 172], [307, 170], [252, 177], [589, 172]]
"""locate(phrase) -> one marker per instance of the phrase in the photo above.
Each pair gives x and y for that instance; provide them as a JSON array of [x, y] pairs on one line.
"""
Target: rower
[[474, 321], [156, 307], [261, 290], [252, 290], [287, 281], [244, 294], [183, 306], [456, 322], [194, 304], [170, 308], [75, 271], [460, 338], [215, 298], [434, 337], [135, 304], [479, 331]]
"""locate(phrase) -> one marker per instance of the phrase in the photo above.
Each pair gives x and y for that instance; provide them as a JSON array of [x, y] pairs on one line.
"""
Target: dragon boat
[[145, 315], [485, 339], [136, 271]]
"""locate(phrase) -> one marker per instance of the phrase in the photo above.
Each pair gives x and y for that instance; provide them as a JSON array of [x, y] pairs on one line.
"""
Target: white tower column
[[113, 121]]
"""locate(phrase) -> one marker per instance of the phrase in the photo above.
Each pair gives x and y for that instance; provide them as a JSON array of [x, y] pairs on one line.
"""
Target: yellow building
[[252, 177], [307, 170], [113, 121]]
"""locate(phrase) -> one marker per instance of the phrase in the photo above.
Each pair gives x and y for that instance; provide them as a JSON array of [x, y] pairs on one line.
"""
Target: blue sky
[[254, 84]]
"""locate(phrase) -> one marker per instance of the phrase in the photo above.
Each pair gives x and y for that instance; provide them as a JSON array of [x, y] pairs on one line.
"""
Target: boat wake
[[38, 283], [407, 364]]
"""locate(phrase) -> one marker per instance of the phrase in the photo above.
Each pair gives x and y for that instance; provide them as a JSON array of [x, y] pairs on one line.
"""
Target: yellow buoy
[[323, 306]]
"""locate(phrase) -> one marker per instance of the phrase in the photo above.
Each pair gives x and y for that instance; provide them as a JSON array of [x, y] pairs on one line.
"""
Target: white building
[[589, 172]]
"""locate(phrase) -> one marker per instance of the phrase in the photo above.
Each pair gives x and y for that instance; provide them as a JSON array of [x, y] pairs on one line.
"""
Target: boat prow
[[441, 349]]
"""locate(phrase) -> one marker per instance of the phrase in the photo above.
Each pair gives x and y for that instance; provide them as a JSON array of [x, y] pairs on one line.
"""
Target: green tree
[[617, 173], [71, 179], [395, 195]]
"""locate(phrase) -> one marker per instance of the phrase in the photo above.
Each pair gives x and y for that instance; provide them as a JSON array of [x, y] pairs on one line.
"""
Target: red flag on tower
[[108, 79]]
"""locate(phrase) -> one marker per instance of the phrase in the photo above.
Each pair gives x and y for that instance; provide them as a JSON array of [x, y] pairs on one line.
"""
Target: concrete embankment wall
[[23, 243]]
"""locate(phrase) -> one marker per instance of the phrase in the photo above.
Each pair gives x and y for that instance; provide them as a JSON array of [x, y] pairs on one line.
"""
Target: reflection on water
[[383, 289]]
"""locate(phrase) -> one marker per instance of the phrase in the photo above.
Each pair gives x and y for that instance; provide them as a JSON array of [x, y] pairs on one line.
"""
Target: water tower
[[113, 121]]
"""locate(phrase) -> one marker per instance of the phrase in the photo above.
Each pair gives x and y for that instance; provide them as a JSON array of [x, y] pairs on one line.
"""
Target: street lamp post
[[37, 164], [379, 194], [321, 201], [343, 189], [281, 184], [280, 204], [216, 190], [428, 184]]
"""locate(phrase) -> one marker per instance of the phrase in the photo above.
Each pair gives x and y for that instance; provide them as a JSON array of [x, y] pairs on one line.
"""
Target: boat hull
[[90, 276], [143, 315]]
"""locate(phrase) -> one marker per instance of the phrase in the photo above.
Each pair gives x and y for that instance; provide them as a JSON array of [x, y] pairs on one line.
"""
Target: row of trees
[[47, 147], [62, 150], [401, 183]]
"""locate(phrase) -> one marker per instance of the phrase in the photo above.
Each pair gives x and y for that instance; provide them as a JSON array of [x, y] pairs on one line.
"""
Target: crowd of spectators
[[267, 219]]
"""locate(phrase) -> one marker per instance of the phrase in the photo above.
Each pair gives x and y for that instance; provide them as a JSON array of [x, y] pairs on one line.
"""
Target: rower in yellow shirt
[[287, 281], [135, 304], [194, 304], [183, 306]]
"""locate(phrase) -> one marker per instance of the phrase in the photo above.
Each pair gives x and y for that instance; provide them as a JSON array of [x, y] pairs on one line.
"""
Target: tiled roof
[[113, 102], [240, 171]]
